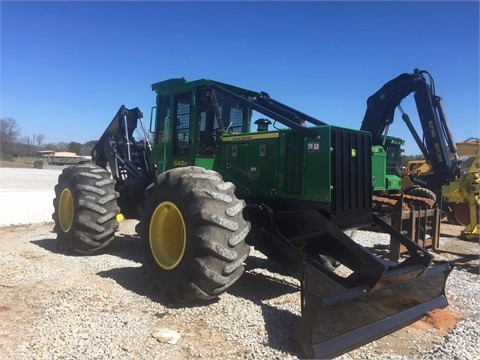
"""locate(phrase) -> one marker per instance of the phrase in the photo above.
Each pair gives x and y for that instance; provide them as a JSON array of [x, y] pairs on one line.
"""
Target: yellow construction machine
[[462, 196], [461, 199]]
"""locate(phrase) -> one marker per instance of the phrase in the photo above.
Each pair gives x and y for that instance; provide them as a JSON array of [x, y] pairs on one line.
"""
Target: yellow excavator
[[462, 196], [461, 199]]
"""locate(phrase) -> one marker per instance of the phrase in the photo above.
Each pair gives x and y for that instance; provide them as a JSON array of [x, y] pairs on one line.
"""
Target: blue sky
[[66, 67]]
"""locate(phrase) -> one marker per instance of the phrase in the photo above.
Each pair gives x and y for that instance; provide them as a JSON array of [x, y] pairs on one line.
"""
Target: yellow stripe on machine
[[241, 137]]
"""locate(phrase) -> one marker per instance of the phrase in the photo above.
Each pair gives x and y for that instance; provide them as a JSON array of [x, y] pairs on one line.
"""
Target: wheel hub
[[167, 235], [65, 213]]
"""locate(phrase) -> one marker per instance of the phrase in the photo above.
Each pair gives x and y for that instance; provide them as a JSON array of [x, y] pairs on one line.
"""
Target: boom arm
[[438, 143], [117, 147], [128, 160], [282, 113]]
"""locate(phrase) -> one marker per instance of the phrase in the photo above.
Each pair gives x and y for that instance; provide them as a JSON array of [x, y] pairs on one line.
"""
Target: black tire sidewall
[[71, 240], [214, 227]]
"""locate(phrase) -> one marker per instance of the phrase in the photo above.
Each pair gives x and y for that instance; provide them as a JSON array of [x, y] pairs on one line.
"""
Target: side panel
[[318, 166], [279, 165], [204, 162], [251, 162]]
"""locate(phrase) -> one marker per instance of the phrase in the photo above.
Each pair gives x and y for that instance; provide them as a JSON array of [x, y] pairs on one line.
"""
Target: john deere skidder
[[207, 187]]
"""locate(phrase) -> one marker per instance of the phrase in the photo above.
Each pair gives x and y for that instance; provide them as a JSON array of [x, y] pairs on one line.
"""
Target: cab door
[[161, 145], [182, 132], [174, 145]]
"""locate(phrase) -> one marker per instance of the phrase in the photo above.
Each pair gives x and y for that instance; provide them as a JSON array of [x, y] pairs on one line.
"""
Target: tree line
[[14, 144]]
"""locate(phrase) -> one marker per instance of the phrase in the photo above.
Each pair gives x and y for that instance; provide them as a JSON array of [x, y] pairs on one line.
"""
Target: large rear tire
[[86, 209], [193, 234]]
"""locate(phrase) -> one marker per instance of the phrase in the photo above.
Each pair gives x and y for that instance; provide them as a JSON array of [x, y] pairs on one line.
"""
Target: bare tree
[[27, 144], [62, 146], [9, 132], [51, 146], [39, 139]]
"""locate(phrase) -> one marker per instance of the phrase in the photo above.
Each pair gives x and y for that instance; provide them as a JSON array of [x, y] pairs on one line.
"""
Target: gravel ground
[[54, 306]]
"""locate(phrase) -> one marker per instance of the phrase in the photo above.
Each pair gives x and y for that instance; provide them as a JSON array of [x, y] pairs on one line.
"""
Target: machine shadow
[[257, 288], [124, 246], [463, 262], [50, 244]]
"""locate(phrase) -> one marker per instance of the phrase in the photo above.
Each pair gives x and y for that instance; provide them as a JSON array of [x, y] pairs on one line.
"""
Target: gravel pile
[[54, 306]]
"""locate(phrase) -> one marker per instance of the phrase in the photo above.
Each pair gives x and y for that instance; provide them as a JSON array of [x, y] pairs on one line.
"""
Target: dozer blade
[[378, 296], [336, 319], [344, 320]]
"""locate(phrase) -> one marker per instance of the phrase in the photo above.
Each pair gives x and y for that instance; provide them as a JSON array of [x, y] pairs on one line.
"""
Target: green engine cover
[[328, 171], [278, 164]]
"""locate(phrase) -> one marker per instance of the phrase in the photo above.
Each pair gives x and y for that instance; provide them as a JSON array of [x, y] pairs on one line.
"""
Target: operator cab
[[190, 119]]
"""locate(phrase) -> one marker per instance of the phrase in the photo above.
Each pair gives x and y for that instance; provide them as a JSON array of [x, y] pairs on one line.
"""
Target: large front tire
[[85, 209], [193, 234]]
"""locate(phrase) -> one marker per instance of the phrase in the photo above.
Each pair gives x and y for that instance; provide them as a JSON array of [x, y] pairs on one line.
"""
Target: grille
[[294, 145], [352, 171]]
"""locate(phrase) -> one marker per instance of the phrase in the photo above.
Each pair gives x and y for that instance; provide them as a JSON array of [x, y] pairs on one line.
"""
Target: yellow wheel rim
[[167, 235], [65, 210]]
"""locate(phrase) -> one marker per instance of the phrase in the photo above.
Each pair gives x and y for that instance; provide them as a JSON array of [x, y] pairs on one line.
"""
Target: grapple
[[376, 297]]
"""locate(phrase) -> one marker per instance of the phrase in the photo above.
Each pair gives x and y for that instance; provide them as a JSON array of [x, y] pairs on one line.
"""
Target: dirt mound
[[441, 319]]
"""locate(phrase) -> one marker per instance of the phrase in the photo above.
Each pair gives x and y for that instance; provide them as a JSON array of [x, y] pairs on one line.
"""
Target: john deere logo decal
[[354, 152]]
